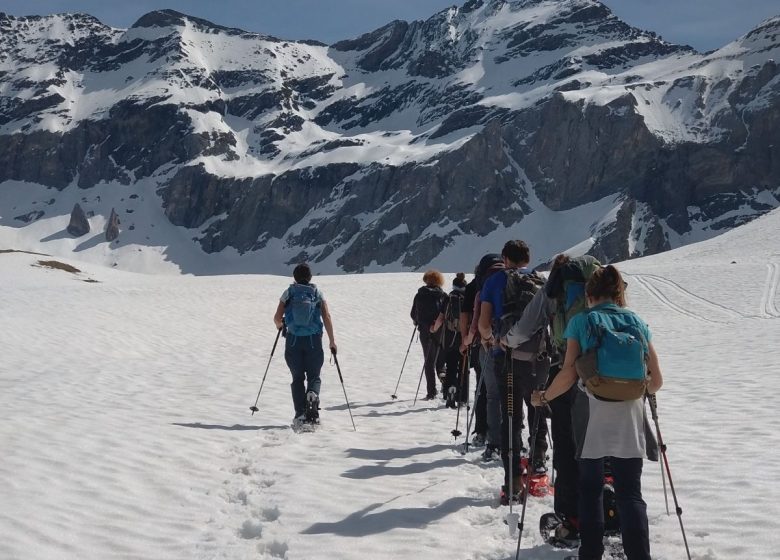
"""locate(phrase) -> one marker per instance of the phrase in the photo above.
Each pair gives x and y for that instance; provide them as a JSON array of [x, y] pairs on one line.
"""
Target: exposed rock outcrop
[[78, 225]]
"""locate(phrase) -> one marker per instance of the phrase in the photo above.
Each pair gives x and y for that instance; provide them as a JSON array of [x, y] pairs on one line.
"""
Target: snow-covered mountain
[[223, 150]]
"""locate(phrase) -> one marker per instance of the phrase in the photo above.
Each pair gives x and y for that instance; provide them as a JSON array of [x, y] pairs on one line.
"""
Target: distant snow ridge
[[549, 120]]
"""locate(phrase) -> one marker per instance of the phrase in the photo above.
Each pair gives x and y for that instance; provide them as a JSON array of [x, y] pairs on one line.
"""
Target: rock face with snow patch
[[391, 149], [78, 225], [112, 226]]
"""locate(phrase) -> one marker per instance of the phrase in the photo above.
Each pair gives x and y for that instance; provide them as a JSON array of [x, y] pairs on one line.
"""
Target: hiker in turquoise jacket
[[614, 430]]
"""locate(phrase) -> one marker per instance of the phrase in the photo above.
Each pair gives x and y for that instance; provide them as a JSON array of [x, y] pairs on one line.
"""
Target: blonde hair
[[433, 278]]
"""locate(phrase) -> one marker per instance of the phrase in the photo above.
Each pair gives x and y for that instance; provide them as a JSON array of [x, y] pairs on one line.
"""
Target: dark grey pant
[[632, 509], [304, 357]]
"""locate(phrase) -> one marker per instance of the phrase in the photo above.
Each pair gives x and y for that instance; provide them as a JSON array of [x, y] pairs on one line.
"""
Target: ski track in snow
[[708, 305], [768, 306], [646, 282]]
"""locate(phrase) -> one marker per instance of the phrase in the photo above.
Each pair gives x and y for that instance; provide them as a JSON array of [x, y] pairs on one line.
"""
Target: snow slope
[[126, 432]]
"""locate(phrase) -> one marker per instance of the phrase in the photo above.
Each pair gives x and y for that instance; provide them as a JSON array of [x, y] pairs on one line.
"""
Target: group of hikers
[[566, 346]]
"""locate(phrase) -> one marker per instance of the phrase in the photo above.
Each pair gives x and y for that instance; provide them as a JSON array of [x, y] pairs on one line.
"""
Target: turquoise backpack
[[302, 314], [615, 368]]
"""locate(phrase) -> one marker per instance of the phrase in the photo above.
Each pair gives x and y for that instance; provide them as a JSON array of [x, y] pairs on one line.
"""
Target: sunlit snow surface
[[126, 430]]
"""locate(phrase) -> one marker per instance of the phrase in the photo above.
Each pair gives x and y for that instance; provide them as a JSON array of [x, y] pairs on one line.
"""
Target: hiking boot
[[429, 397], [517, 492], [491, 453], [451, 397], [540, 464], [478, 440], [312, 406]]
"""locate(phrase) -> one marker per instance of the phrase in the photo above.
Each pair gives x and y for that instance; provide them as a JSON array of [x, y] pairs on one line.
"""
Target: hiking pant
[[564, 449], [433, 356], [627, 474], [526, 377], [492, 392], [304, 357], [480, 397], [453, 360]]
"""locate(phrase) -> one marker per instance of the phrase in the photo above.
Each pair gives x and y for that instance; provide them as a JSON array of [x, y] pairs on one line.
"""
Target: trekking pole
[[662, 446], [338, 369], [254, 408], [511, 518], [394, 395], [534, 433], [477, 395], [464, 372]]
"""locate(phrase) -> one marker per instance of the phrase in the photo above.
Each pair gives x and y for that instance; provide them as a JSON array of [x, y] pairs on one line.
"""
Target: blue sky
[[704, 24]]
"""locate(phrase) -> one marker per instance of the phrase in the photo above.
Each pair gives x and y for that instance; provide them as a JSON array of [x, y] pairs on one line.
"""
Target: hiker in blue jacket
[[303, 312], [613, 429]]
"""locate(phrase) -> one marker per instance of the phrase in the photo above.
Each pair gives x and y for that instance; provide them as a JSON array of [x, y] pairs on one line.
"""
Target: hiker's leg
[[631, 507], [591, 509], [293, 355]]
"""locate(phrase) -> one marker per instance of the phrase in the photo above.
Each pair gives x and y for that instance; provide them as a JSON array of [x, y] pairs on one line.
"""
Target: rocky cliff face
[[416, 144]]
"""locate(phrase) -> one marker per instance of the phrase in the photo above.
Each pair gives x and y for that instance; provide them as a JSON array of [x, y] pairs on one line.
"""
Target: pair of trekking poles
[[394, 396], [254, 408]]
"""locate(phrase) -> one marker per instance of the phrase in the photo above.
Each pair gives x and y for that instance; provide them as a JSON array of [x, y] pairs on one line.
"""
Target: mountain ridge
[[299, 150]]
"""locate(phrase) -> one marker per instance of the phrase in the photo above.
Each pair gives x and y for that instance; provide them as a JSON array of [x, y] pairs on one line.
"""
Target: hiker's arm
[[485, 314], [565, 378], [653, 370], [534, 317], [474, 326], [437, 323], [413, 312], [463, 327], [326, 320], [279, 315]]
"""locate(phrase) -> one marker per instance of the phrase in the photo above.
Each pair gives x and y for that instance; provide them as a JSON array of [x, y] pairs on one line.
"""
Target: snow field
[[126, 429]]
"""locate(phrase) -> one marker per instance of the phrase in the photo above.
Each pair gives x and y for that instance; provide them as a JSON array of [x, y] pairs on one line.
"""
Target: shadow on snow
[[374, 471], [363, 523], [233, 427], [389, 454]]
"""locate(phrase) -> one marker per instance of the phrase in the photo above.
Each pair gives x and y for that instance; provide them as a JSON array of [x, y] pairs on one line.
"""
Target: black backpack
[[426, 305], [520, 289], [452, 316]]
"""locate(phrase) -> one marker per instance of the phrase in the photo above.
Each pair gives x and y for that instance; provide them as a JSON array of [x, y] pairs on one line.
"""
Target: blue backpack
[[616, 367], [302, 314]]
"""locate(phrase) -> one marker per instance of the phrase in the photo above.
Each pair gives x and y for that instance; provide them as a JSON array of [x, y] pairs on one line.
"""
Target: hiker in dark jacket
[[449, 321], [562, 299], [489, 265], [426, 307], [470, 349]]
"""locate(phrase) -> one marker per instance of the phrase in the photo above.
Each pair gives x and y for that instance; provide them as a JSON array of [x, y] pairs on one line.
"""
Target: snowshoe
[[557, 532], [301, 425], [538, 482], [491, 453]]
